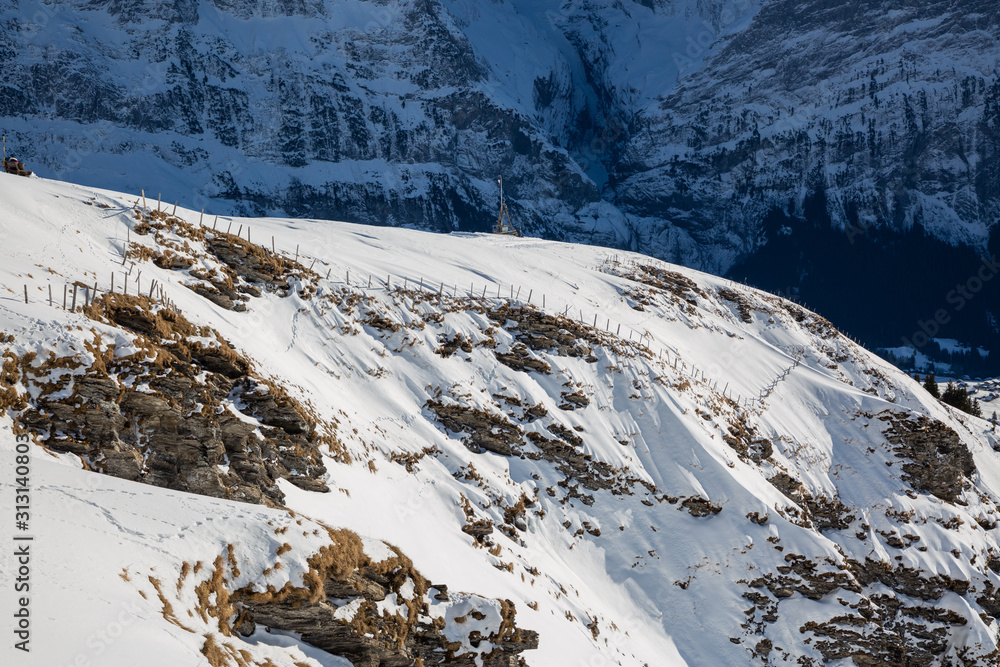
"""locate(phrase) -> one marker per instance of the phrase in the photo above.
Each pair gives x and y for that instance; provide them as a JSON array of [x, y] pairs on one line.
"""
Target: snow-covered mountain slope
[[643, 464]]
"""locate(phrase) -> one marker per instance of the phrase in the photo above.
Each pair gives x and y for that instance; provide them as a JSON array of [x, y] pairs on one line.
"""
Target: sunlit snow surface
[[663, 586]]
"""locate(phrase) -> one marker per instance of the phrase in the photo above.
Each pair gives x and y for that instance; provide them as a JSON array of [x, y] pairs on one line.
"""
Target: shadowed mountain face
[[845, 153], [801, 145]]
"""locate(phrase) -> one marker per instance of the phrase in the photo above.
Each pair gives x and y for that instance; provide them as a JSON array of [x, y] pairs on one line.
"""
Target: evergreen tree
[[959, 398], [953, 395], [930, 384], [916, 376]]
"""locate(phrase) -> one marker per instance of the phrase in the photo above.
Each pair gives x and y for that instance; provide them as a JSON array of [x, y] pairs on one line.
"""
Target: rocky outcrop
[[698, 507], [385, 614], [242, 269], [373, 612], [485, 431], [184, 415], [542, 332], [824, 512], [935, 460]]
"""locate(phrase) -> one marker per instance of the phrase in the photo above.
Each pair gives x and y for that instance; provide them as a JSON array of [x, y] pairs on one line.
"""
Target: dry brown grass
[[230, 552], [10, 374], [227, 655], [220, 608], [168, 609], [185, 571], [144, 315], [214, 653]]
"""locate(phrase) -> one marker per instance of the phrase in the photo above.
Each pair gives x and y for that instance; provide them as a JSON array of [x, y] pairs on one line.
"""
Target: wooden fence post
[[50, 294], [144, 199], [26, 293], [64, 296], [73, 308]]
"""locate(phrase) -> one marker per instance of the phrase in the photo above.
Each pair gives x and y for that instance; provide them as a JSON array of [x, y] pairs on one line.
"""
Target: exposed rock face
[[543, 332], [375, 613], [241, 270], [698, 506], [178, 431], [340, 613], [824, 512], [936, 460], [486, 431]]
